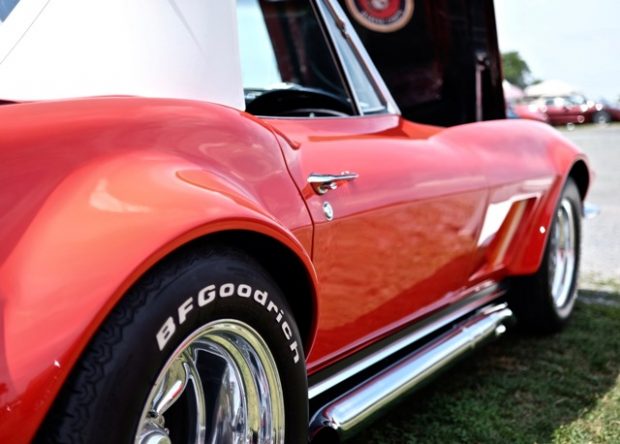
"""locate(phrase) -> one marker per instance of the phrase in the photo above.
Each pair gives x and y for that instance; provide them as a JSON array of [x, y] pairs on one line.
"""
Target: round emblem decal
[[381, 15]]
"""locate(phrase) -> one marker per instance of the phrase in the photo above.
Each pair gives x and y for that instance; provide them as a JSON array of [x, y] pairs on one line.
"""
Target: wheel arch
[[282, 257], [277, 251], [581, 175]]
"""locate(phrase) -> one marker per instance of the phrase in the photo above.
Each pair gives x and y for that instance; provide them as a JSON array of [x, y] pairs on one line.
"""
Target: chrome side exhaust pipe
[[339, 419]]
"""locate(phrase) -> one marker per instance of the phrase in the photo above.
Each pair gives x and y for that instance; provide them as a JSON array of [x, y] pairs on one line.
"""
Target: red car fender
[[523, 158], [122, 188]]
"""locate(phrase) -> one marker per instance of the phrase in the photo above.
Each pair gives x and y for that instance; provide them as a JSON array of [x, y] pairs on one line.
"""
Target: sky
[[572, 40]]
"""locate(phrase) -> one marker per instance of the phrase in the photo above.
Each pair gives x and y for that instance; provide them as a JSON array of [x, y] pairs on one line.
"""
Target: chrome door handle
[[322, 183]]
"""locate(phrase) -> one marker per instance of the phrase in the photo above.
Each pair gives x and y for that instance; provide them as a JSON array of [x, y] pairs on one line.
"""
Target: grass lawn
[[557, 389]]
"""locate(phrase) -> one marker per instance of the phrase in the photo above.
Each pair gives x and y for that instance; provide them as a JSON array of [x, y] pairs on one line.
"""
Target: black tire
[[105, 397], [538, 308], [601, 117]]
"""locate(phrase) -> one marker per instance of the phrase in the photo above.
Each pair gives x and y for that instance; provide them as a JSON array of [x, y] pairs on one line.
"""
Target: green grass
[[563, 388]]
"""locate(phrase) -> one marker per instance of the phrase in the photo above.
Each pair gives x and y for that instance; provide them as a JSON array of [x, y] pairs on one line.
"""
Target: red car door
[[403, 226], [395, 229]]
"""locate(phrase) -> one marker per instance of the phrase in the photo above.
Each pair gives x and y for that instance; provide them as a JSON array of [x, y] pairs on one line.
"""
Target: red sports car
[[221, 236]]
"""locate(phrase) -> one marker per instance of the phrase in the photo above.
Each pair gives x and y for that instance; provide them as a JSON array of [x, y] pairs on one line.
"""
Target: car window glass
[[577, 100], [368, 99], [6, 7], [286, 63]]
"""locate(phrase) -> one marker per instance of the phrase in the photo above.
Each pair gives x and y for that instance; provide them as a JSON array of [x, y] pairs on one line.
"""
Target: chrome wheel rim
[[220, 385], [562, 254]]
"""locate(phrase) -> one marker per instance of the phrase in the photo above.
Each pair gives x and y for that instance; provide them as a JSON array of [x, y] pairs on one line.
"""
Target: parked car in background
[[563, 110], [574, 109], [218, 227], [606, 112]]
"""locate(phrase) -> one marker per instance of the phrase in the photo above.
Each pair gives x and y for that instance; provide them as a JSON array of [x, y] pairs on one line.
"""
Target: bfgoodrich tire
[[544, 301], [203, 349]]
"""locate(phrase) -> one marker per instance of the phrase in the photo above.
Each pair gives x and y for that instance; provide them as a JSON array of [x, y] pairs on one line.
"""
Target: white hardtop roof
[[188, 49]]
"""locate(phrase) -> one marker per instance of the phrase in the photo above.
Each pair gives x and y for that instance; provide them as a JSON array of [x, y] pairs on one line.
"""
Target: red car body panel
[[418, 238], [102, 189], [524, 159], [119, 184], [614, 111], [408, 225]]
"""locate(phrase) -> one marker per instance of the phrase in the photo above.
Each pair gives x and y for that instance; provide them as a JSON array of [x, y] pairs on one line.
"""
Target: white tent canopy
[[551, 88], [512, 92], [187, 49]]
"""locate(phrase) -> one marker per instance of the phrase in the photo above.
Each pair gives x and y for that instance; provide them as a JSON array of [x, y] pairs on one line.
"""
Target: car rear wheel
[[203, 350], [544, 301], [601, 117]]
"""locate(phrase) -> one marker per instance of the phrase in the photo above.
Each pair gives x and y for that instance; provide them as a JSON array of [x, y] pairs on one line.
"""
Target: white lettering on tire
[[244, 291], [272, 307], [260, 297], [208, 295], [288, 334], [165, 333], [227, 290], [184, 309], [293, 348]]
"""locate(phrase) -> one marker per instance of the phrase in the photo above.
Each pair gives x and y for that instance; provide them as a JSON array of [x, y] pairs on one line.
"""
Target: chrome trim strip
[[342, 22], [426, 327], [359, 405], [345, 71]]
